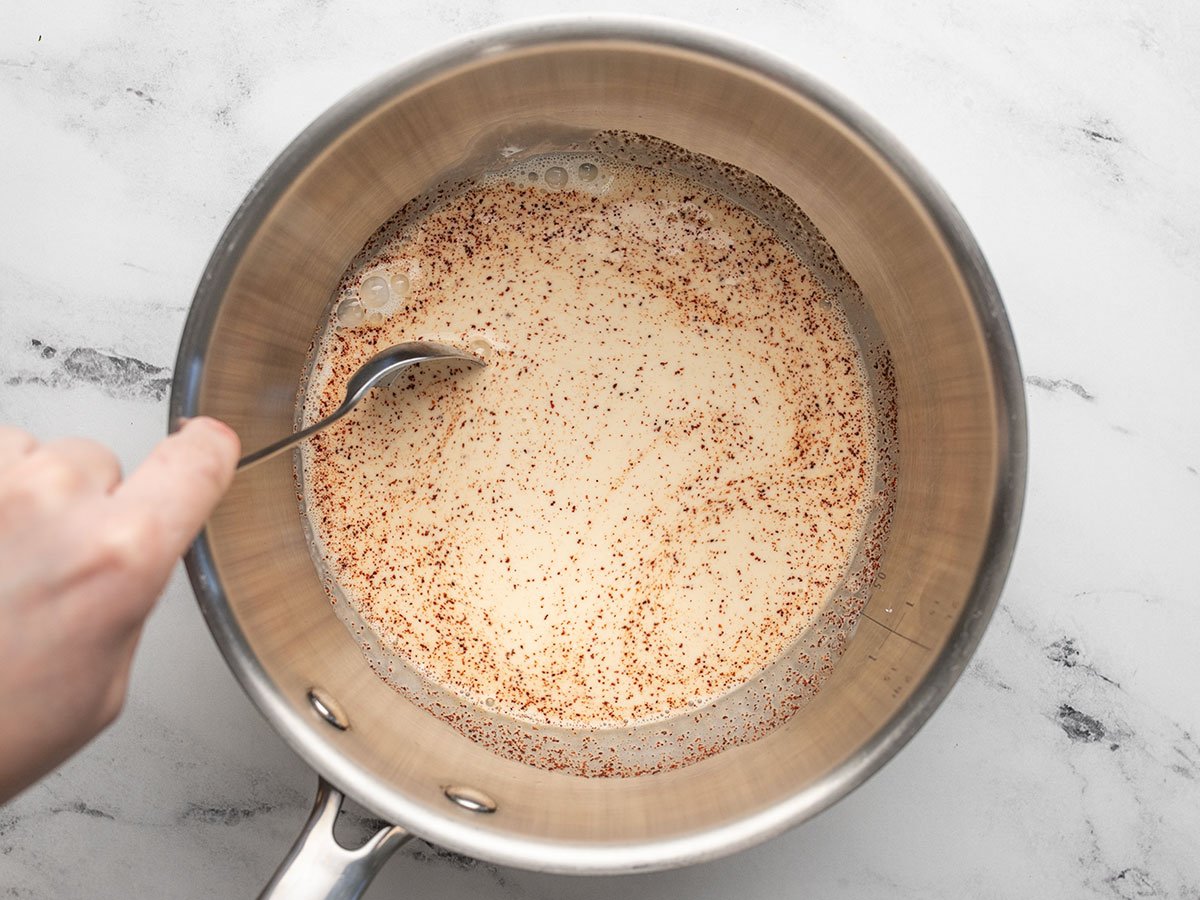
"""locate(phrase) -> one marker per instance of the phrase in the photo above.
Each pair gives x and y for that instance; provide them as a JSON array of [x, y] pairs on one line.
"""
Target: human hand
[[83, 557]]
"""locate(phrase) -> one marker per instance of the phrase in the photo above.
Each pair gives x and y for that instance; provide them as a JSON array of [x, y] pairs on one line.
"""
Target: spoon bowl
[[382, 369]]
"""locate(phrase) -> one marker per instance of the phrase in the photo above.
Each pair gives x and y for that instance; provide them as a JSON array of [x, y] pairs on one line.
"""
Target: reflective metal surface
[[471, 799], [328, 709], [961, 434], [320, 868], [380, 370]]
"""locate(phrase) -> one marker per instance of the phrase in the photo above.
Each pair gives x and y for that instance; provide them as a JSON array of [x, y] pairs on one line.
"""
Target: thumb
[[182, 480]]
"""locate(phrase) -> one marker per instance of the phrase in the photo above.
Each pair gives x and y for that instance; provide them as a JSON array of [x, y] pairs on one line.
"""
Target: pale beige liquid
[[651, 490]]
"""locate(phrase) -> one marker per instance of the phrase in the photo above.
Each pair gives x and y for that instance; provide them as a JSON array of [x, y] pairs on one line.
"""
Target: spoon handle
[[282, 444]]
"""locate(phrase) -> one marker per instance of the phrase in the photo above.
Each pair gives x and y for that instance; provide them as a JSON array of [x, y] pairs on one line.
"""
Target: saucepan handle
[[319, 868]]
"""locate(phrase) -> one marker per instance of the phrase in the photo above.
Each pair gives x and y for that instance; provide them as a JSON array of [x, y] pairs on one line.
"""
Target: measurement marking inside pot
[[866, 615]]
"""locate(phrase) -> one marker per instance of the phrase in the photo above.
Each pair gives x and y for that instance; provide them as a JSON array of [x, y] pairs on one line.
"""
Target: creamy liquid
[[651, 490]]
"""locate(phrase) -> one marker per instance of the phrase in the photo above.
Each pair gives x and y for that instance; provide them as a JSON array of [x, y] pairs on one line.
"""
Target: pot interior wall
[[294, 240]]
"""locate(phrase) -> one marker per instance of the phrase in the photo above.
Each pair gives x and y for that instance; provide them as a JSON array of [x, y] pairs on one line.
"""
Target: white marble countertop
[[1066, 763]]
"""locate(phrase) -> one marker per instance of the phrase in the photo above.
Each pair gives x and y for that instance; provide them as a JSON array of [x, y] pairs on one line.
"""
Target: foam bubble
[[561, 171], [350, 313], [374, 292], [481, 346]]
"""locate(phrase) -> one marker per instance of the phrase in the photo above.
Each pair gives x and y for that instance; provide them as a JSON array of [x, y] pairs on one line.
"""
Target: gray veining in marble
[[1067, 761]]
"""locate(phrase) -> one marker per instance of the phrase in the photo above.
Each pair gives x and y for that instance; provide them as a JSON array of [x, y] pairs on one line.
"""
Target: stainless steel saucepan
[[962, 445]]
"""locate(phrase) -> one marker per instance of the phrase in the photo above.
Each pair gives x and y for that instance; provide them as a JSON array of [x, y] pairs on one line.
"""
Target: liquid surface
[[651, 490]]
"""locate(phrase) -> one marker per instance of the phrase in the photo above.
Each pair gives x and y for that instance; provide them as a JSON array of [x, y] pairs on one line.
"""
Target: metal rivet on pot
[[470, 798], [328, 709]]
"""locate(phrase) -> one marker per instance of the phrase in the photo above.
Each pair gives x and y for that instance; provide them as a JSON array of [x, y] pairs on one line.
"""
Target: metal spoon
[[380, 369]]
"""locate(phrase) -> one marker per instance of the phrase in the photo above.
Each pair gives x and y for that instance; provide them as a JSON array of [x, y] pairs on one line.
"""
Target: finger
[[96, 467], [15, 444], [53, 477], [181, 482]]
